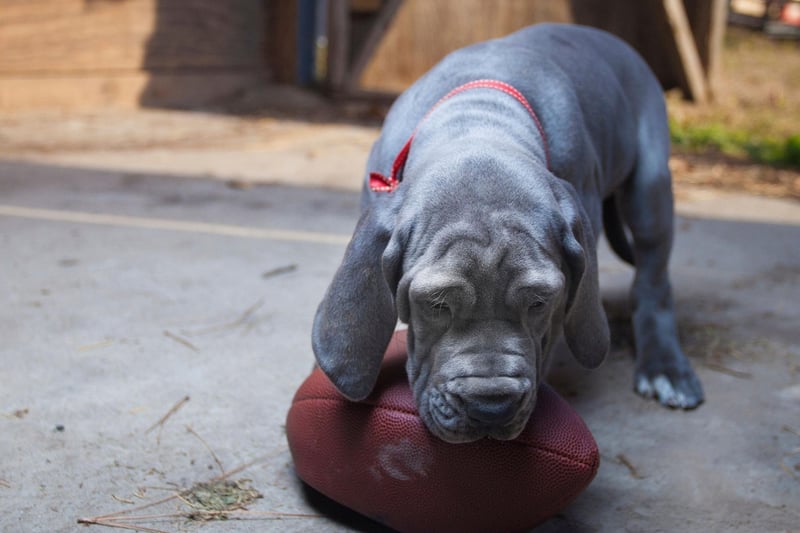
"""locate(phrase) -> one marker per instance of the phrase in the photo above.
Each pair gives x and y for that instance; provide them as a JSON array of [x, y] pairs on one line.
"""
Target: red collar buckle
[[380, 183]]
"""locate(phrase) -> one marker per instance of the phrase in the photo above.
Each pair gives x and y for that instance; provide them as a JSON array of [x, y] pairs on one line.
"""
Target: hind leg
[[662, 369]]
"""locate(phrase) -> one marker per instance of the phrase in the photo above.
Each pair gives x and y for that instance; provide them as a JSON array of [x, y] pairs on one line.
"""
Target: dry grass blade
[[717, 367], [96, 345], [181, 340], [788, 470], [240, 468], [169, 413], [125, 522], [789, 429], [248, 313], [244, 319], [119, 525], [5, 484], [120, 515], [279, 270], [623, 460], [269, 514], [214, 455], [18, 413]]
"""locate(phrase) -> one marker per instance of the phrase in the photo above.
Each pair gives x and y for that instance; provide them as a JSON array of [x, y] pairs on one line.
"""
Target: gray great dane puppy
[[481, 231]]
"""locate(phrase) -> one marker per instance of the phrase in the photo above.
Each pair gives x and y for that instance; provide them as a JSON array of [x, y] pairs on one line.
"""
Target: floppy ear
[[356, 318], [585, 323]]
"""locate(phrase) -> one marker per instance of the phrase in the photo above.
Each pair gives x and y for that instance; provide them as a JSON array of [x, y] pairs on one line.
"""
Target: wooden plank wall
[[680, 39], [75, 54], [424, 31], [87, 54]]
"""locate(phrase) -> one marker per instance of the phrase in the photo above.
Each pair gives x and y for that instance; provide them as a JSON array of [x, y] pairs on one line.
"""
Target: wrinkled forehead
[[503, 251]]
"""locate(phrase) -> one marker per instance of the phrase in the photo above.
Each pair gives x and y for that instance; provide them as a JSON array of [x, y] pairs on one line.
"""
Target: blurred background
[[73, 73]]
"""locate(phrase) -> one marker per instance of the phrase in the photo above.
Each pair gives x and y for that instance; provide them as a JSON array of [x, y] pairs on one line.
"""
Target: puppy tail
[[615, 230]]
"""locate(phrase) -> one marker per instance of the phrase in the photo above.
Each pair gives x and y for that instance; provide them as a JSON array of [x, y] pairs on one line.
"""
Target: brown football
[[377, 457]]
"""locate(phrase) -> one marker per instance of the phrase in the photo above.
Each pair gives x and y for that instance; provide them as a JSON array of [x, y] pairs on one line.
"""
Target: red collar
[[380, 183]]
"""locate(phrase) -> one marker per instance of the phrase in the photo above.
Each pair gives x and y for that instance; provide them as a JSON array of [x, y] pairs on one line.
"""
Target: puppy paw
[[677, 392]]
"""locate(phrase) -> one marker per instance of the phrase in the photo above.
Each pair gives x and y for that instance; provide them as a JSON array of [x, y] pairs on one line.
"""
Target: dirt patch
[[720, 171], [209, 500]]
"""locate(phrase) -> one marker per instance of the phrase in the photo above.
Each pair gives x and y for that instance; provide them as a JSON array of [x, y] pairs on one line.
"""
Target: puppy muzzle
[[469, 408]]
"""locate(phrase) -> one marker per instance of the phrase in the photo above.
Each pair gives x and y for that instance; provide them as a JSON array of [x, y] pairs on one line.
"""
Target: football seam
[[593, 465]]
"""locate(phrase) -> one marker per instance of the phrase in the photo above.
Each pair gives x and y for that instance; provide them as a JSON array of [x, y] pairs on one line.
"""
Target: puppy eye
[[439, 306], [536, 305]]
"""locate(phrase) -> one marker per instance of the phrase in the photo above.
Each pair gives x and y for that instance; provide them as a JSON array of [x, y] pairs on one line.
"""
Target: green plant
[[775, 151]]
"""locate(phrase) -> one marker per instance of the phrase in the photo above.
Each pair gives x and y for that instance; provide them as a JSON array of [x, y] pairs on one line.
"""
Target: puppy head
[[484, 298], [482, 303]]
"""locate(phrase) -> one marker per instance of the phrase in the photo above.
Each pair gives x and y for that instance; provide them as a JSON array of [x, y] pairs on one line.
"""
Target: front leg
[[662, 369]]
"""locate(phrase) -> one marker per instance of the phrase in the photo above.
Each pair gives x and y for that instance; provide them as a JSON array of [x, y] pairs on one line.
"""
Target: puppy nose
[[492, 401], [493, 409]]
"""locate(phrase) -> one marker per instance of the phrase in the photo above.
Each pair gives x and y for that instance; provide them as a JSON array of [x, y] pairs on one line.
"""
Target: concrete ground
[[127, 289]]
